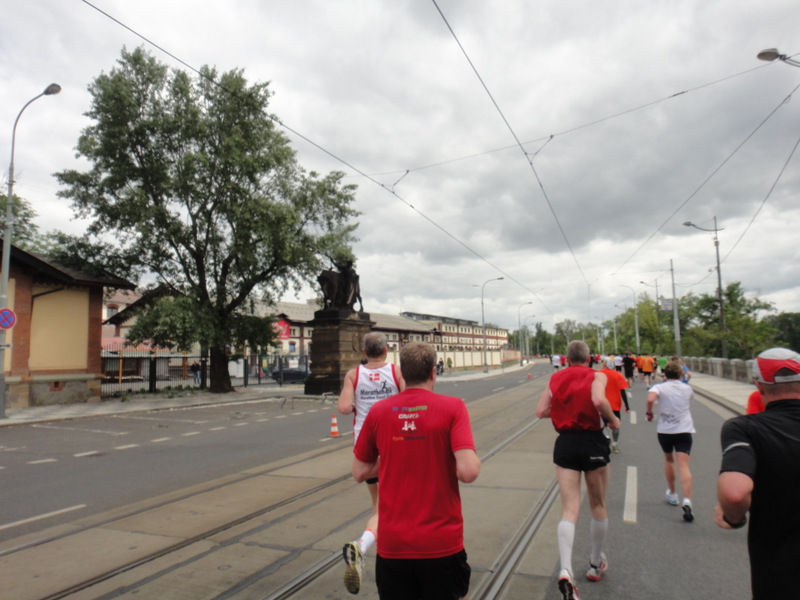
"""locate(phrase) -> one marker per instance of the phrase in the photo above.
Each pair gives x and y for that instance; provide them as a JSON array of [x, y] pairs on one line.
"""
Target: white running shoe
[[567, 587], [672, 498], [355, 562], [687, 510], [596, 573]]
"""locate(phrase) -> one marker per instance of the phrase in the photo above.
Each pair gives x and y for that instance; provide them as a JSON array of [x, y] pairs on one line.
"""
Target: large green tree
[[192, 177]]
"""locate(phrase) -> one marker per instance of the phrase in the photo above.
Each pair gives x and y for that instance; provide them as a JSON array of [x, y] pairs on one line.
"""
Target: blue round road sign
[[7, 318]]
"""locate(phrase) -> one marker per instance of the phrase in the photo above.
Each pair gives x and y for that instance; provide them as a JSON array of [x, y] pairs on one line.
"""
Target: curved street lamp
[[720, 299], [50, 90], [519, 331], [483, 324], [635, 318], [771, 54]]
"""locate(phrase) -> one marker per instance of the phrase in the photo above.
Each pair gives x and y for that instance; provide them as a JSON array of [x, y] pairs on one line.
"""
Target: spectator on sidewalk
[[576, 403], [760, 473], [425, 446]]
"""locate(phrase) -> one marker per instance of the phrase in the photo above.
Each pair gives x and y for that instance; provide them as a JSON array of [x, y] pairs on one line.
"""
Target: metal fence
[[136, 371]]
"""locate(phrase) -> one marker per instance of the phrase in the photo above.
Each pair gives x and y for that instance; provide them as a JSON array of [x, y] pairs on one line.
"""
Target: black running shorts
[[677, 442], [444, 578], [581, 450]]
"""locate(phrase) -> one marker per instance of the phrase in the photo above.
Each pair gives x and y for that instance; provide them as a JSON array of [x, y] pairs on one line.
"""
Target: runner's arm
[[734, 492], [347, 398], [543, 408], [468, 465]]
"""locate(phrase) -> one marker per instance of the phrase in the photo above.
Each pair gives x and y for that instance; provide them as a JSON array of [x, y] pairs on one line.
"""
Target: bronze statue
[[341, 289]]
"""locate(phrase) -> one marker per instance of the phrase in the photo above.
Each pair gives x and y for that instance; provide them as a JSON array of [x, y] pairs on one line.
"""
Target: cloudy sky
[[559, 145]]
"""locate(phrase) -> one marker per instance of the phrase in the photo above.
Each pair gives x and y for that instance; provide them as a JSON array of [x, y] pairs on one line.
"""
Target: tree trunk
[[220, 376]]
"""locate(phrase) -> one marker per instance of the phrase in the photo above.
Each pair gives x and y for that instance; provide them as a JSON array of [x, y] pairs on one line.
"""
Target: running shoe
[[596, 573], [567, 587], [672, 498], [687, 510], [615, 449], [355, 562]]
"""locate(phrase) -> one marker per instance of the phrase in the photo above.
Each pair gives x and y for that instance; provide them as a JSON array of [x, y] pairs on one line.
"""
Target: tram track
[[498, 422]]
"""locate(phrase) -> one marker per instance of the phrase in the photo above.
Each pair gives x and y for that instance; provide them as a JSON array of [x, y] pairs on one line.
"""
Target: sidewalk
[[731, 393]]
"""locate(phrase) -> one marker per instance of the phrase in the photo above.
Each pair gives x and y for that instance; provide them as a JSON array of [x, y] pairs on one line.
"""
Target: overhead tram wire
[[322, 149], [548, 138], [764, 201], [707, 179], [519, 143]]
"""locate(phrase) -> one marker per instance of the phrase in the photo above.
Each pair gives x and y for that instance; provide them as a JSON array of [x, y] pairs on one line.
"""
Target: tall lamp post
[[483, 324], [658, 317], [50, 90], [525, 322], [519, 331], [720, 299], [635, 318]]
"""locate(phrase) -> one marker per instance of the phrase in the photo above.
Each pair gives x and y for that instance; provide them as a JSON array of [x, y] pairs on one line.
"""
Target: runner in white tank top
[[364, 386], [371, 385]]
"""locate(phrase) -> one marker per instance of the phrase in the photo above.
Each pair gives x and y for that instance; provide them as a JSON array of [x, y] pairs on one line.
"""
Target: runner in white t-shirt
[[675, 429]]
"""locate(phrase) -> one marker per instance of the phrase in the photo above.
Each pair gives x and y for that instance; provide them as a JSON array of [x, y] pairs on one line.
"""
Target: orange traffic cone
[[334, 427]]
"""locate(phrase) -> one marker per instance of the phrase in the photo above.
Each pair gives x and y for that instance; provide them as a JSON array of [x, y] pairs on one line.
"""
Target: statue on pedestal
[[341, 289]]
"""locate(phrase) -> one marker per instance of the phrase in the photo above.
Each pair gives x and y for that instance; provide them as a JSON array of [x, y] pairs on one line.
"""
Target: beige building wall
[[60, 329]]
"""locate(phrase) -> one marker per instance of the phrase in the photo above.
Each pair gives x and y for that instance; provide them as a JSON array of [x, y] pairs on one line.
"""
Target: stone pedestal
[[337, 345]]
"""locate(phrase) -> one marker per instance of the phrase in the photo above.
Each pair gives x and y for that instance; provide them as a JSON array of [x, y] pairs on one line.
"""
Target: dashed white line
[[159, 440], [82, 454], [40, 517], [261, 420], [242, 424], [41, 461], [633, 417], [217, 428], [190, 433], [126, 447], [498, 389], [280, 417], [631, 496]]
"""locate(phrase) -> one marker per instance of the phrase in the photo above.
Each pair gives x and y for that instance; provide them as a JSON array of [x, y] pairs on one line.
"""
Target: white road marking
[[498, 389], [42, 461], [126, 447], [190, 433], [217, 428], [40, 426], [40, 517], [159, 440], [242, 424], [631, 496], [82, 454], [281, 417], [261, 420], [633, 417]]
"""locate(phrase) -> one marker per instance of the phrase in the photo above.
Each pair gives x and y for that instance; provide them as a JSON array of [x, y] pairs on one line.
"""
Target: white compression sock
[[598, 531], [366, 540], [566, 536]]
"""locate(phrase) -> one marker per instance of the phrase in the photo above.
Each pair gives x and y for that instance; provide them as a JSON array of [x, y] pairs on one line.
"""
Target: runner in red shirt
[[576, 403], [616, 395], [425, 445]]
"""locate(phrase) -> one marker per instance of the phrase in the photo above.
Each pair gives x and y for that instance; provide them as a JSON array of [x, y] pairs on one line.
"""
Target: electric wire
[[339, 159], [519, 143], [707, 179]]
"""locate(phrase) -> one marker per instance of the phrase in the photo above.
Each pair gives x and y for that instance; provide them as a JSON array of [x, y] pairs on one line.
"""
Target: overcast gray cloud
[[635, 117]]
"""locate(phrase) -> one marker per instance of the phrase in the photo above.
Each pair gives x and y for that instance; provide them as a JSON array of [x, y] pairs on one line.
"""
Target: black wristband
[[736, 525]]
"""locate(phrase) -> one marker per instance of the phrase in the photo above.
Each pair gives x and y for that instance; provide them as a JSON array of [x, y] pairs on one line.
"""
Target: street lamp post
[[483, 324], [527, 339], [519, 331], [635, 317], [720, 298], [50, 90], [658, 317]]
